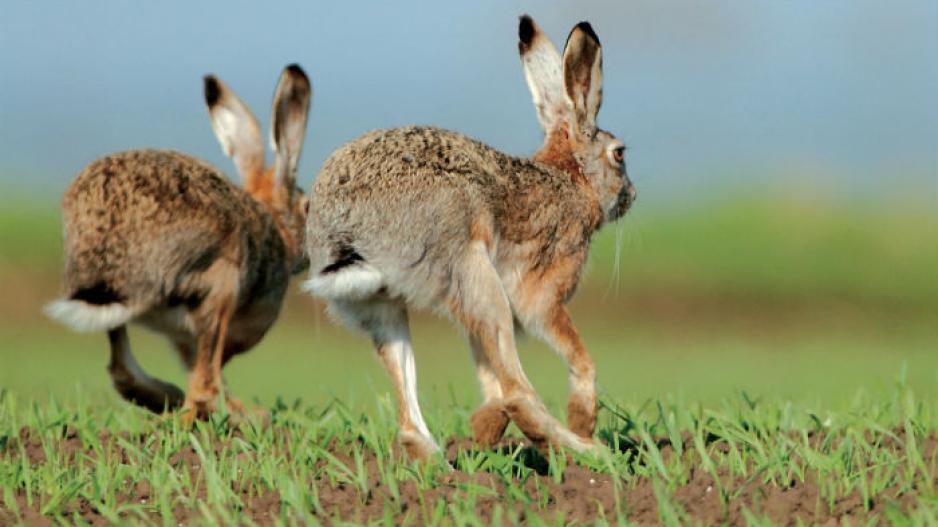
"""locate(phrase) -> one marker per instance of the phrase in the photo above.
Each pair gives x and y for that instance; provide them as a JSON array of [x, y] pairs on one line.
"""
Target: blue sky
[[840, 95]]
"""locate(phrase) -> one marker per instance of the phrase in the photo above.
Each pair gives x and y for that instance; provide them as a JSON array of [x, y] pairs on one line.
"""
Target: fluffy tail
[[352, 282], [83, 316]]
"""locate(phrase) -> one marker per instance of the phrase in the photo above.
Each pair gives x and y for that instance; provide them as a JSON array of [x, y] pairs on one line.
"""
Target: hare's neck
[[259, 183], [282, 224], [557, 152]]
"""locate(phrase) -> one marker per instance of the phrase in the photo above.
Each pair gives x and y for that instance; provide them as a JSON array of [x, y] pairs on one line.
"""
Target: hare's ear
[[237, 130], [288, 124], [583, 76], [543, 72]]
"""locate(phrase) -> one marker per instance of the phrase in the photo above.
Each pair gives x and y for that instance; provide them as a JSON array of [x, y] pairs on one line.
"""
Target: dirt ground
[[580, 497]]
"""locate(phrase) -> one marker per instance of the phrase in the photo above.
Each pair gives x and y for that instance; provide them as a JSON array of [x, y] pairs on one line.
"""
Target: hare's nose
[[631, 192]]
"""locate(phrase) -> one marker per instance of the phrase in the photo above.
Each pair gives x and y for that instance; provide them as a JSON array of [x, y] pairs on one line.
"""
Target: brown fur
[[581, 408], [557, 151], [164, 239], [260, 185], [156, 227], [581, 414], [398, 382], [147, 223], [488, 423], [530, 418], [438, 220]]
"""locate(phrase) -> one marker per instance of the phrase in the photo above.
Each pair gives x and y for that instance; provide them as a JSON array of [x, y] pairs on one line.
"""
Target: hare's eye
[[617, 154]]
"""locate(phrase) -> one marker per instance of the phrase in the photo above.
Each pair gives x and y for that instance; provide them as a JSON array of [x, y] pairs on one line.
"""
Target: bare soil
[[582, 497]]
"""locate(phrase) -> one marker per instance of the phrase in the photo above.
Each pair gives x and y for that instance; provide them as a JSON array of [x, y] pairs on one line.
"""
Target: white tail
[[82, 316], [355, 282]]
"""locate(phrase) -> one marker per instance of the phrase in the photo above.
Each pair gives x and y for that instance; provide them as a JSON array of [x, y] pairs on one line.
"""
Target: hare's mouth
[[624, 201]]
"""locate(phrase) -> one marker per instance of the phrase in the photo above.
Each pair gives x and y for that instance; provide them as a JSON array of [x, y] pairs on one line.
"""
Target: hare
[[427, 218], [166, 240]]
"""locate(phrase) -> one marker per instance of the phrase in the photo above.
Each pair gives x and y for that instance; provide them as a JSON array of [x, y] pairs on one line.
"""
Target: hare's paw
[[417, 446], [152, 394], [581, 415], [533, 421], [197, 407], [489, 423]]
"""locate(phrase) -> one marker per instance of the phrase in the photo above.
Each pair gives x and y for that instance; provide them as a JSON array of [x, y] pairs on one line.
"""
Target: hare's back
[[410, 159], [142, 216], [403, 203], [407, 202], [154, 184]]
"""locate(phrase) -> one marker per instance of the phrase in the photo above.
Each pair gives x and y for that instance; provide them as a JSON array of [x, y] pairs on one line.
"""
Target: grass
[[767, 348], [875, 462]]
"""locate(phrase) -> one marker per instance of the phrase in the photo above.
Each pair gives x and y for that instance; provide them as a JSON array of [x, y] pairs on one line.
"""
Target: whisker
[[613, 285], [629, 234]]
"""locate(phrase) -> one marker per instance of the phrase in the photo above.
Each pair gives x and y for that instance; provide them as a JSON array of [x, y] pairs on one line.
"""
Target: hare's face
[[602, 161], [567, 92]]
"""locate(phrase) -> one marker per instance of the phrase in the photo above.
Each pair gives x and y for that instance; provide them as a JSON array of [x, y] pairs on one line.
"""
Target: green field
[[759, 346]]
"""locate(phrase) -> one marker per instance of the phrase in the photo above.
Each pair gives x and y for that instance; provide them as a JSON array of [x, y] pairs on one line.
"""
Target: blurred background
[[784, 244]]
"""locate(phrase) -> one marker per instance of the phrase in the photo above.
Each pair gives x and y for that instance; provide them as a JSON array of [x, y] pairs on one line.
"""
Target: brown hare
[[166, 240], [428, 218]]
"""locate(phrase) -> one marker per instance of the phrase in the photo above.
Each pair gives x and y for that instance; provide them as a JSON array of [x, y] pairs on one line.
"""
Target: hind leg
[[386, 322], [482, 306], [133, 383], [490, 420]]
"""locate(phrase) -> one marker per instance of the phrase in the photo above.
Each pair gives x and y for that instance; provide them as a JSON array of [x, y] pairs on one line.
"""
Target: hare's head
[[240, 136], [567, 93]]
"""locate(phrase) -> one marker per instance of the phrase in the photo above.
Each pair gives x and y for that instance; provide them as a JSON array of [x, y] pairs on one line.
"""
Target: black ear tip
[[212, 90], [296, 69], [588, 29], [296, 72], [525, 31]]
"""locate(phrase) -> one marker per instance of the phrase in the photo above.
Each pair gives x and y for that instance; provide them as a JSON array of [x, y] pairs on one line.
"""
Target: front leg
[[561, 334], [482, 307], [205, 380]]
